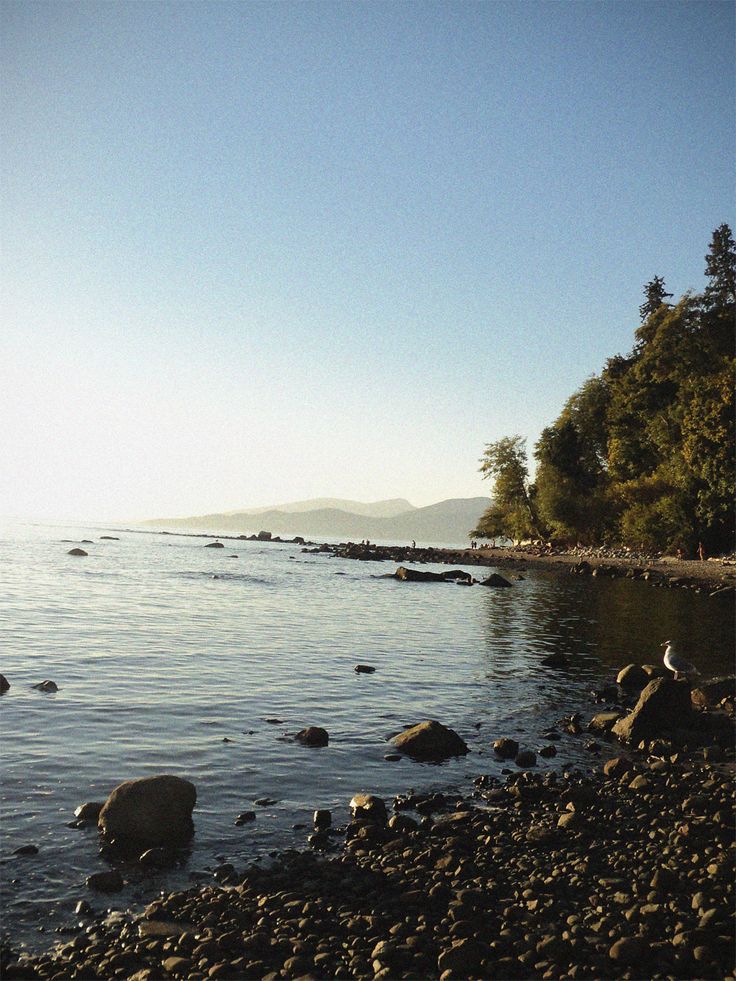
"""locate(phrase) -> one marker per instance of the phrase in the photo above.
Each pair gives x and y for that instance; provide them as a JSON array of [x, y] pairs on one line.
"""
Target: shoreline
[[625, 872], [710, 574]]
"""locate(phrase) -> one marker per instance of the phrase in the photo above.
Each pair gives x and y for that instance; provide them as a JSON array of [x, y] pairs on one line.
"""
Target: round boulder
[[151, 810], [77, 551], [430, 740], [47, 686]]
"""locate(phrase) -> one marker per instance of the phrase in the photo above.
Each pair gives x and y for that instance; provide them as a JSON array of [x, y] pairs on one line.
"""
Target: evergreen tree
[[512, 513], [656, 295], [720, 267]]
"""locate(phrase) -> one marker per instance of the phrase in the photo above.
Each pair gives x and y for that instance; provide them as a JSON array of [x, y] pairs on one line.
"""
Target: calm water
[[162, 648]]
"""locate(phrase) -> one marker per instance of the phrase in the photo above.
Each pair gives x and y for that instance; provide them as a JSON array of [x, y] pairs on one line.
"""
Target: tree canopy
[[642, 454]]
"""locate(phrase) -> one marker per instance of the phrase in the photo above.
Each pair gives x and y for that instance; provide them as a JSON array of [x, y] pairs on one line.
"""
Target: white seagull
[[675, 662]]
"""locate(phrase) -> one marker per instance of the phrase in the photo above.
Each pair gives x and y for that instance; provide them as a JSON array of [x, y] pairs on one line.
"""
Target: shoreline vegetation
[[642, 453]]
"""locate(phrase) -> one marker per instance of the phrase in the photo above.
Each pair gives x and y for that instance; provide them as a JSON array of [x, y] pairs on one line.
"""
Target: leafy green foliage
[[644, 453], [512, 513]]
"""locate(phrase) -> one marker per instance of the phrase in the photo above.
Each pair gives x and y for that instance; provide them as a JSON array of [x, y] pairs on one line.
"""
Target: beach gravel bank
[[625, 873]]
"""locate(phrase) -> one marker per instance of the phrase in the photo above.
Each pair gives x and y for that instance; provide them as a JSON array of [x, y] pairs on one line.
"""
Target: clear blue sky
[[255, 252]]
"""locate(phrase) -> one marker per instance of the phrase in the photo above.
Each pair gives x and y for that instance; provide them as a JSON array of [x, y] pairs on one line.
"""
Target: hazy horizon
[[277, 251]]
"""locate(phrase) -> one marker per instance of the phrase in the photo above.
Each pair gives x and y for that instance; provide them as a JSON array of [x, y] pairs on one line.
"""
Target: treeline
[[642, 454]]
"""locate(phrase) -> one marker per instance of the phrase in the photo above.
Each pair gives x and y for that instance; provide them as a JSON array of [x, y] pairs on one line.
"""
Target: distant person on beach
[[413, 543], [701, 552], [679, 555]]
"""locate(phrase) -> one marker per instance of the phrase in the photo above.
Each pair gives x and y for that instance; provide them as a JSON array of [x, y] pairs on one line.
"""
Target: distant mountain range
[[448, 522]]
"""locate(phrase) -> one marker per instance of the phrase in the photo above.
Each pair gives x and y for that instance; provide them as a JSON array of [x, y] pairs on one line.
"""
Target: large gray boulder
[[663, 705], [152, 810], [430, 741]]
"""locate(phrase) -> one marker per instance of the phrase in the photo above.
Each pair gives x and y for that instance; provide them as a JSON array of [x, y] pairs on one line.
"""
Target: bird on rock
[[675, 662]]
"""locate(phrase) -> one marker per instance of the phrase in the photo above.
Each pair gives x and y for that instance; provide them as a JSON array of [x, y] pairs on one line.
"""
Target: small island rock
[[77, 551]]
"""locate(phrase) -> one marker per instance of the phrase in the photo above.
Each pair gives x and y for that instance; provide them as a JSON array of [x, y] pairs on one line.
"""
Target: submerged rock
[[364, 668], [111, 881], [430, 740], [313, 736], [495, 580], [506, 748], [77, 551], [214, 545], [151, 810], [47, 686], [5, 684]]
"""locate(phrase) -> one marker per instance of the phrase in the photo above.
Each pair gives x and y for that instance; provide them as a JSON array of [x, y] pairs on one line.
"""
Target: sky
[[258, 252]]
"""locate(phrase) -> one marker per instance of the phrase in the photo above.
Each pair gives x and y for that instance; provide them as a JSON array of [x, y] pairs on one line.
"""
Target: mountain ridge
[[445, 522]]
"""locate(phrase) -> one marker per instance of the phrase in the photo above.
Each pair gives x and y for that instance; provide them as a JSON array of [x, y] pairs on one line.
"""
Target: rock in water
[[313, 736], [495, 580], [5, 684], [368, 807], [430, 741], [77, 551], [215, 545], [664, 704], [47, 686], [151, 810]]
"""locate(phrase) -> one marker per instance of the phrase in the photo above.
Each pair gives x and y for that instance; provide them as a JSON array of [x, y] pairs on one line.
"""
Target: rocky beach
[[625, 871]]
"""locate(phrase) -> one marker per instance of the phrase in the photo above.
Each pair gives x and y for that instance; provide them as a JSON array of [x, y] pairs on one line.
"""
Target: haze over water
[[163, 648]]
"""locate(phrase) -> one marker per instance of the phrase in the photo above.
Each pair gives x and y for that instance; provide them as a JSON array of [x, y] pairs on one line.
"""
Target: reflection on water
[[162, 648]]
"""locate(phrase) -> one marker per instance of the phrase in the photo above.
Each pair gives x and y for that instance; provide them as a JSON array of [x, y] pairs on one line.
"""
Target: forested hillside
[[643, 453]]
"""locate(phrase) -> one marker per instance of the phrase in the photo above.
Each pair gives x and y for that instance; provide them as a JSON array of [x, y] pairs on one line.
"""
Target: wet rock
[[4, 684], [495, 580], [322, 818], [364, 668], [245, 818], [633, 677], [368, 807], [90, 811], [46, 686], [430, 740], [710, 694], [111, 881], [151, 810], [663, 705], [156, 858], [77, 551], [214, 545], [83, 908], [604, 721], [526, 757], [313, 736], [547, 751], [26, 850], [506, 748]]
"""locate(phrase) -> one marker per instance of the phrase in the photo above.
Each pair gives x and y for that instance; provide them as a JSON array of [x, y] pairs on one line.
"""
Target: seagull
[[674, 662]]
